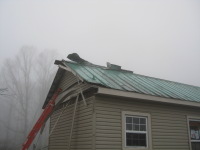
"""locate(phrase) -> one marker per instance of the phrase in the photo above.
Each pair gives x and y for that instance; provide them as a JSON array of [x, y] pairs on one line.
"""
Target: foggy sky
[[158, 38]]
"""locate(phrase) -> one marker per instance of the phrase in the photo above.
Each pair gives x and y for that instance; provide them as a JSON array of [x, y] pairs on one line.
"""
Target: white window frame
[[191, 118], [148, 130]]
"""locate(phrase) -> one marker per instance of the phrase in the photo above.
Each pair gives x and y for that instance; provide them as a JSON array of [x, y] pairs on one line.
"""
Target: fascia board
[[113, 92]]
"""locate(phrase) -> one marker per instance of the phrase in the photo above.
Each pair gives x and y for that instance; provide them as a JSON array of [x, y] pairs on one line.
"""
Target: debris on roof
[[112, 66], [76, 58]]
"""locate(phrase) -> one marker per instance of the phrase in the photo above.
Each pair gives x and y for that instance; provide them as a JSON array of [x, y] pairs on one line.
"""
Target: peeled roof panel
[[127, 81]]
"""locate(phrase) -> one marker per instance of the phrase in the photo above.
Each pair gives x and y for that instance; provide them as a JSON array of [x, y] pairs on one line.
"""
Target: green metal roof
[[129, 81]]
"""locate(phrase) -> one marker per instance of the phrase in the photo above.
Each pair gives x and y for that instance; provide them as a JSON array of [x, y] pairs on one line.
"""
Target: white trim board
[[113, 92], [148, 132]]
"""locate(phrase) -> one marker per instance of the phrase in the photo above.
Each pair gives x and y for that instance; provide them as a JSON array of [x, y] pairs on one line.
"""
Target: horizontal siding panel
[[78, 120], [83, 119], [79, 147], [109, 139], [168, 127], [110, 120], [170, 142], [65, 131], [167, 117], [168, 123], [108, 128], [68, 79], [146, 105], [109, 143], [82, 132], [66, 134], [107, 109], [108, 136], [111, 124], [107, 116], [169, 134], [113, 146], [63, 137], [58, 147], [166, 136], [171, 148], [71, 108], [108, 132], [75, 129], [106, 148], [180, 132], [74, 142], [165, 120]]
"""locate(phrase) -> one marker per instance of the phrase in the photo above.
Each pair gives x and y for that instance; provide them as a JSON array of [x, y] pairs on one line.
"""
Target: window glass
[[136, 131], [136, 139], [142, 127], [135, 127], [195, 130], [135, 120], [142, 121], [129, 127], [128, 119]]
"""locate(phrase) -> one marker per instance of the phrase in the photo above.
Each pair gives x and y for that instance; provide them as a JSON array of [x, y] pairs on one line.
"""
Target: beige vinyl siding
[[168, 123], [68, 79], [82, 132]]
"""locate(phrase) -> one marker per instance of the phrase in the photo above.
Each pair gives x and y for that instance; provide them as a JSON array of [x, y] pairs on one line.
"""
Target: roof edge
[[54, 86], [62, 67], [112, 92]]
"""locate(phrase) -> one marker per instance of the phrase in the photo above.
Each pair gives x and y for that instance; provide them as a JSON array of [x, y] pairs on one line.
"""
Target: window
[[136, 130], [194, 132]]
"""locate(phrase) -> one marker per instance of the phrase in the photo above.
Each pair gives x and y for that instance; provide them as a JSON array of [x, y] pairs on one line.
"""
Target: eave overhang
[[132, 95], [160, 91]]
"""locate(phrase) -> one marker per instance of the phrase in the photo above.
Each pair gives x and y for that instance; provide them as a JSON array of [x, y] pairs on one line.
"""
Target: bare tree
[[2, 91], [17, 74], [45, 72], [28, 77]]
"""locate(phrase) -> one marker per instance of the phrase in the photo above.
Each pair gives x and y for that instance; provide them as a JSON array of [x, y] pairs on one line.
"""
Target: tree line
[[24, 83]]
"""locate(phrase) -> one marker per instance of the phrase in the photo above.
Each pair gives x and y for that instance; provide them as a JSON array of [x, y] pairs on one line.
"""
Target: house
[[108, 108]]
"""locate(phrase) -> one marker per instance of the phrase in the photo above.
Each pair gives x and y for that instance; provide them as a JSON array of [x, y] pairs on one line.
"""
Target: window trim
[[191, 118], [149, 137]]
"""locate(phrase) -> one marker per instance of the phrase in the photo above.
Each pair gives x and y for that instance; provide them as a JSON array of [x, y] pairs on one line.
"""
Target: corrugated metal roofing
[[129, 81]]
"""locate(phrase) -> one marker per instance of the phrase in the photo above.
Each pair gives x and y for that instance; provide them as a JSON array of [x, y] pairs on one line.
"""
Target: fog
[[158, 38]]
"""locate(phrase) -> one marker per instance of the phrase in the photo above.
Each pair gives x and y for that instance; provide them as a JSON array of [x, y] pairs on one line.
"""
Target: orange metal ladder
[[42, 119]]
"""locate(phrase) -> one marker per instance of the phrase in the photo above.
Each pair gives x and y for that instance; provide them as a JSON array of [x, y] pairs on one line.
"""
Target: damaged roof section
[[128, 81], [113, 77]]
